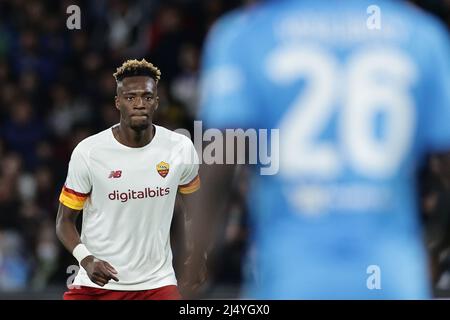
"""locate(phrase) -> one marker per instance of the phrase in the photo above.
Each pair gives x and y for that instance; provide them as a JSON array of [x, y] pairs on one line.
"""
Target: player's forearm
[[68, 235], [208, 209], [66, 230]]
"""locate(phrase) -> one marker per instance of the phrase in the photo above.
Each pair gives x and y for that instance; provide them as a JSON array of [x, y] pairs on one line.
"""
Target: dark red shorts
[[88, 293]]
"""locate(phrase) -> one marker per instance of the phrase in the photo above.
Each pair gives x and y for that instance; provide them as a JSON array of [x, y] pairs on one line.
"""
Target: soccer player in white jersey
[[125, 179]]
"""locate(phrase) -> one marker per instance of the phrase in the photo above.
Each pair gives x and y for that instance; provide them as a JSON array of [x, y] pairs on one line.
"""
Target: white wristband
[[80, 252]]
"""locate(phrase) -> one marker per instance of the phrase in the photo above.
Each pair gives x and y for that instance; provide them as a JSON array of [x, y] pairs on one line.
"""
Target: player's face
[[137, 100]]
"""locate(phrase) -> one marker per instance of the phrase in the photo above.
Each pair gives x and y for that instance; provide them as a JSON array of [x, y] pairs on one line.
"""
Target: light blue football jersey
[[359, 95]]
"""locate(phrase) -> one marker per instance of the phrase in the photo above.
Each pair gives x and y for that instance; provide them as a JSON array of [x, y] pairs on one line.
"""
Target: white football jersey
[[128, 196]]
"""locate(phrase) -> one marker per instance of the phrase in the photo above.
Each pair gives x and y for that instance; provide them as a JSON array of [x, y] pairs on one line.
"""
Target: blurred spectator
[[66, 111], [166, 38], [185, 85], [22, 131], [14, 268], [9, 197], [125, 28], [436, 208], [46, 256]]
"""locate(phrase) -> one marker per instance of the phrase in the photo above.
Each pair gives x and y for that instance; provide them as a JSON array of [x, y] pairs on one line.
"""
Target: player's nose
[[139, 102]]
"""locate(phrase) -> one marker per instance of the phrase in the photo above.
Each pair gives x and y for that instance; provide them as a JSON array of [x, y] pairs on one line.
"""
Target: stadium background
[[56, 88]]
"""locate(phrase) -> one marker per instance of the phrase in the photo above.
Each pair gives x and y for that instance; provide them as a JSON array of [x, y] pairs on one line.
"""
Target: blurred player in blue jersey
[[358, 103]]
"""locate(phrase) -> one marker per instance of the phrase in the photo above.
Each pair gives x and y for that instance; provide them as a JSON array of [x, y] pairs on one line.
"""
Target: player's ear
[[116, 100], [157, 103]]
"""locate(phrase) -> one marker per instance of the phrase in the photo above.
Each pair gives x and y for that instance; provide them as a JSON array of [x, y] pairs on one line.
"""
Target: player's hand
[[99, 271], [194, 275]]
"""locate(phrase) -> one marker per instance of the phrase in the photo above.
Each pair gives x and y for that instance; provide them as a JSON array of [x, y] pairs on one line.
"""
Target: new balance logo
[[115, 174]]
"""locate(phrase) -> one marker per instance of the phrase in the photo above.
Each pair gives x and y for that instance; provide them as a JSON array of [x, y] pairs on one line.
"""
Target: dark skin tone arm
[[100, 272], [204, 207], [207, 209], [194, 271]]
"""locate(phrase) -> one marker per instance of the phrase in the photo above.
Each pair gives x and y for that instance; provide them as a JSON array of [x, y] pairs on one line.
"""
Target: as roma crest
[[162, 168]]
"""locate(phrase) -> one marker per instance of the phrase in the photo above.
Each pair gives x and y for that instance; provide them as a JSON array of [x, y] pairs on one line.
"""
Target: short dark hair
[[132, 68]]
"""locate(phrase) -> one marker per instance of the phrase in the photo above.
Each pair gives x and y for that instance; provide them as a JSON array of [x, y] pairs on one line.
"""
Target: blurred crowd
[[57, 88]]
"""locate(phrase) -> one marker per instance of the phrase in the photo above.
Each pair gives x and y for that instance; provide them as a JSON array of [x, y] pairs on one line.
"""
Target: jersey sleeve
[[78, 185], [438, 89], [226, 95], [190, 180]]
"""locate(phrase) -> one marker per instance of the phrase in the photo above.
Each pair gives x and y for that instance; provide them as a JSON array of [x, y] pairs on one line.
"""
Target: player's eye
[[149, 98], [129, 98]]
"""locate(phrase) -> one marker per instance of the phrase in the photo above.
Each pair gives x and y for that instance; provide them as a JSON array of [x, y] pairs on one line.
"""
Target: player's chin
[[140, 125]]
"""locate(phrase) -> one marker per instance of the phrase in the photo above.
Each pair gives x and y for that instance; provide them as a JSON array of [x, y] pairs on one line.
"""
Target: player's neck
[[133, 138]]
